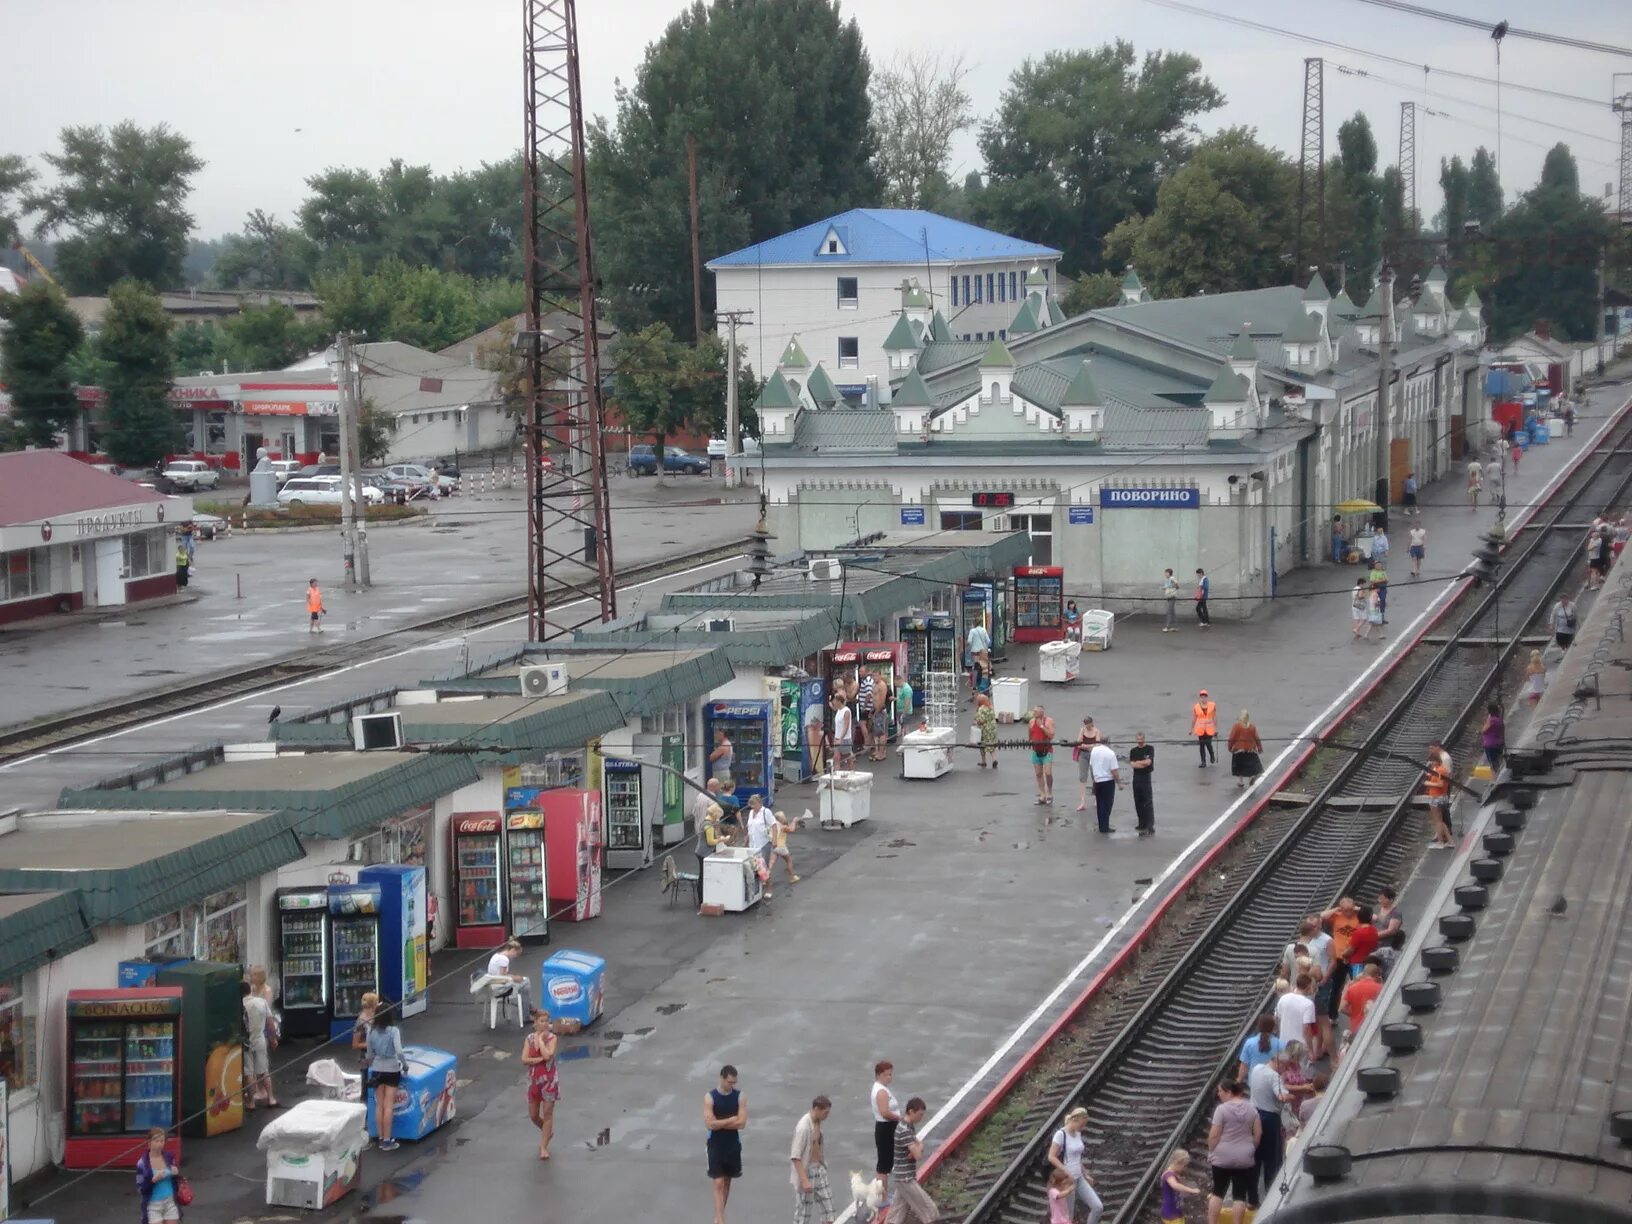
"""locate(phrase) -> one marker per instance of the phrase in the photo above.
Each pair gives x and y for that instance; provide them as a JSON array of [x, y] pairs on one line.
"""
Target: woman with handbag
[[159, 1183]]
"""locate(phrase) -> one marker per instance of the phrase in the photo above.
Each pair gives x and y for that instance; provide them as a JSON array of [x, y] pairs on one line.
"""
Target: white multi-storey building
[[835, 286]]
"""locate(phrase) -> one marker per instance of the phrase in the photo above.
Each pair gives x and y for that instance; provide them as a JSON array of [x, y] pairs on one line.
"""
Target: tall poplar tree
[[40, 337], [139, 426]]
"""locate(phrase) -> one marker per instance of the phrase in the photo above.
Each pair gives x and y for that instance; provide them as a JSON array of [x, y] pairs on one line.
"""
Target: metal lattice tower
[[568, 515], [1312, 162], [1622, 106], [1408, 154]]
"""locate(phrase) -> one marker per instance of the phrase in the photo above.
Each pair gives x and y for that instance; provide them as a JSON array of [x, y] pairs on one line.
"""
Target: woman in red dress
[[543, 1091]]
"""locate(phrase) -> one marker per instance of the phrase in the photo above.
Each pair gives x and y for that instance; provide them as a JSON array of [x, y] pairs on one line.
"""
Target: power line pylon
[[1312, 163], [1408, 155], [569, 522], [1622, 106]]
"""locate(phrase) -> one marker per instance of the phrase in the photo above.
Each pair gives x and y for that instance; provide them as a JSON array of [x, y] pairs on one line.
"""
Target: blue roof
[[885, 235]]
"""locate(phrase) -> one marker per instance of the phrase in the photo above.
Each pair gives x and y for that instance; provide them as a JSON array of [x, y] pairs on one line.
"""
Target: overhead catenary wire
[[1475, 23]]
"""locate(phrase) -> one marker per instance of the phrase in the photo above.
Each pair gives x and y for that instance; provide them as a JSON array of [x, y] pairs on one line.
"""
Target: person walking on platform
[[1436, 786], [1408, 497], [1142, 761], [979, 644], [844, 733], [1102, 764], [986, 728], [1204, 726], [1042, 754], [1232, 1150], [1493, 736], [1476, 482], [812, 1188], [1245, 745], [1204, 588], [1418, 548], [725, 1115], [886, 1117], [1535, 677], [1065, 1152], [1170, 592], [1378, 577], [1359, 610], [1268, 1094], [1087, 737], [912, 1203], [314, 606]]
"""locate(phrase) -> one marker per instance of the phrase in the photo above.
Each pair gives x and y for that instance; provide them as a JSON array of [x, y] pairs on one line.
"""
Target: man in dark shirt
[[912, 1205], [1142, 759]]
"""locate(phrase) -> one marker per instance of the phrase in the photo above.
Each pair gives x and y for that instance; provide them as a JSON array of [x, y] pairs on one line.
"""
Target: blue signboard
[[1079, 516], [1149, 499], [912, 516]]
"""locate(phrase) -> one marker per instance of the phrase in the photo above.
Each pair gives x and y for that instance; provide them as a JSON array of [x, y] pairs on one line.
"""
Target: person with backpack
[[1562, 621]]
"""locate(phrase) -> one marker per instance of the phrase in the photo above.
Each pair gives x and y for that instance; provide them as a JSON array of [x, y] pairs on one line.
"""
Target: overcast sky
[[272, 93]]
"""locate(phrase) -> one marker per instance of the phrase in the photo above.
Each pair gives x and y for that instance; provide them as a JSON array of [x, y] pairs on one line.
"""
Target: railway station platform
[[1517, 1100], [943, 934]]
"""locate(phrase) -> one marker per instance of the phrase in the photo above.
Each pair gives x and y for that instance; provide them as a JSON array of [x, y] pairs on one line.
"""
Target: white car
[[190, 475], [320, 491]]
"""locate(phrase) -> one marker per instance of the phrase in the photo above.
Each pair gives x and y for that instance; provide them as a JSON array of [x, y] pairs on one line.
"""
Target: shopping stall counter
[[1058, 662], [846, 797], [425, 1095], [927, 753], [313, 1153], [1011, 698], [730, 881]]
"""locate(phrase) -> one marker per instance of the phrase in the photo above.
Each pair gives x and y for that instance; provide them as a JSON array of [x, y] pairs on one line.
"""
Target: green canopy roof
[[939, 332], [821, 388], [1131, 280], [1025, 319], [1035, 279], [1082, 393], [793, 357], [915, 298], [1343, 304], [1228, 388], [1436, 275], [776, 393], [913, 393], [40, 927], [1244, 349], [1464, 322], [1472, 301], [1317, 291], [1305, 329], [902, 336], [997, 356]]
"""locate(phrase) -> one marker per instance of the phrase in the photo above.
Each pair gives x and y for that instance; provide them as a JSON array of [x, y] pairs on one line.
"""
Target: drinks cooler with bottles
[[212, 1049], [526, 876], [631, 792], [303, 960], [751, 727], [478, 880], [573, 850], [1039, 603], [931, 640], [404, 956], [354, 937], [887, 659], [123, 1072]]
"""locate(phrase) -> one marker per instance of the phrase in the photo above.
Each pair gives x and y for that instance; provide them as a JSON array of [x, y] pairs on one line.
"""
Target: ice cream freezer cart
[[1059, 662], [314, 1153], [730, 880], [424, 1098]]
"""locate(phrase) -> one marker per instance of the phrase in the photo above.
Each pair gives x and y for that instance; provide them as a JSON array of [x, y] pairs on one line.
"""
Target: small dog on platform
[[868, 1195]]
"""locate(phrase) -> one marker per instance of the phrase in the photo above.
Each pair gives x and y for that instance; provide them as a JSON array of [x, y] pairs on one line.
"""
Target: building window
[[960, 520], [215, 432], [966, 337], [991, 295], [212, 930], [401, 840], [966, 298], [25, 574], [17, 1037], [954, 281], [1048, 275], [148, 552], [848, 292], [1002, 287], [1014, 285], [1040, 527], [977, 297], [849, 352]]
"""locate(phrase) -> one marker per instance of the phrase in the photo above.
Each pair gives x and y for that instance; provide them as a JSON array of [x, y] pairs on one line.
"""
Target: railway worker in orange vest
[[1436, 786], [314, 606], [1204, 725]]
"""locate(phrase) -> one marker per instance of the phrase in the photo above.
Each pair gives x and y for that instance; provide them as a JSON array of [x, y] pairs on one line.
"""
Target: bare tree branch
[[919, 105]]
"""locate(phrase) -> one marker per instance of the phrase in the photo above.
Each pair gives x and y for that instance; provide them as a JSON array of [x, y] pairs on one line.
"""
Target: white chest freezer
[[730, 881], [927, 753], [846, 797], [1058, 662], [1011, 698], [313, 1153]]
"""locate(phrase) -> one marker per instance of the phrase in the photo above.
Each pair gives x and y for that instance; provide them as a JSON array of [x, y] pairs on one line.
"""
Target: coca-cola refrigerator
[[574, 844], [479, 912]]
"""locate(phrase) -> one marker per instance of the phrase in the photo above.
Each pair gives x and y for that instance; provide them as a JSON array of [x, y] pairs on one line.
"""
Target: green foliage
[[1402, 227], [664, 386], [1484, 198], [1082, 139], [775, 93], [1223, 221], [121, 192], [139, 427], [15, 176], [39, 340], [199, 347], [269, 337], [375, 429], [1558, 170], [267, 255], [1354, 209], [1092, 291], [415, 305]]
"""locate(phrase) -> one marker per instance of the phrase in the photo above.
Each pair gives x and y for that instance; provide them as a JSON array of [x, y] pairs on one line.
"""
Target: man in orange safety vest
[[1204, 725]]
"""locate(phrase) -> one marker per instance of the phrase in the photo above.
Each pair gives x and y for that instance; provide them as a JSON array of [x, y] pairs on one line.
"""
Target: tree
[[199, 347], [375, 429], [139, 427], [1082, 139], [40, 337], [416, 305], [1559, 171], [650, 373], [1223, 221], [1092, 291], [1484, 189], [122, 193], [266, 255], [1354, 207], [1457, 185], [919, 105], [1402, 229], [15, 176], [269, 337], [771, 156]]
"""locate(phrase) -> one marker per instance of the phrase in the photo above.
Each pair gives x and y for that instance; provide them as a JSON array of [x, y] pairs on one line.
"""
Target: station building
[[1217, 432], [72, 537]]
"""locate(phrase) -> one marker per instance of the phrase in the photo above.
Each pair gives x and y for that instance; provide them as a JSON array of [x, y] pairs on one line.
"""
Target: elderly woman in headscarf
[[1244, 744]]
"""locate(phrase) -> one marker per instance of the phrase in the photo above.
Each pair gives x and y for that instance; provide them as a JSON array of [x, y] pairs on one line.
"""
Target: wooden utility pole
[[1385, 391], [348, 511], [696, 242], [733, 423]]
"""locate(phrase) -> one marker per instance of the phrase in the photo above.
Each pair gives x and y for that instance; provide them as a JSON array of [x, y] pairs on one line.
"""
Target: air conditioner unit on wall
[[376, 732], [544, 680], [826, 569], [721, 624]]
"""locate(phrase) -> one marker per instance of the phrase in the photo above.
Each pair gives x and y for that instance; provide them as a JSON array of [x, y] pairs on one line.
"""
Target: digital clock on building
[[992, 501]]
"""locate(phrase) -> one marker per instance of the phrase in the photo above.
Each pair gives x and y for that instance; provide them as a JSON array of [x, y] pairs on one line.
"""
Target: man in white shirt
[[761, 834], [498, 965], [1102, 765], [980, 653], [1295, 1013]]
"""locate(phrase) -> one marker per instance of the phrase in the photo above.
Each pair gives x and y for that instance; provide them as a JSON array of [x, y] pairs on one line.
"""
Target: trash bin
[[927, 753], [573, 986], [1011, 698], [313, 1153], [425, 1095], [1058, 662], [846, 797]]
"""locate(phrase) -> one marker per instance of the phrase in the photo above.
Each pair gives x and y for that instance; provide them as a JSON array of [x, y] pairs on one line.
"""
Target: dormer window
[[834, 243]]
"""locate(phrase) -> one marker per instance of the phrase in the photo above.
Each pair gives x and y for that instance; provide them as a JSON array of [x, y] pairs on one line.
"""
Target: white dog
[[868, 1195]]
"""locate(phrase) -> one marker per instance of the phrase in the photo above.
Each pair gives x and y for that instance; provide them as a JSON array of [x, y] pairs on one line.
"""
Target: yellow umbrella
[[1358, 505]]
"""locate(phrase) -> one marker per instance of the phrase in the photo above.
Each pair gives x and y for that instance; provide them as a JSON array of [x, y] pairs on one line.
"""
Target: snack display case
[[525, 872], [1039, 603]]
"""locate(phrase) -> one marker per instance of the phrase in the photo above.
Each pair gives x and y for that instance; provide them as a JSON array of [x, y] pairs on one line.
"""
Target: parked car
[[716, 447], [643, 461], [321, 491], [205, 526], [418, 476], [190, 475], [319, 469], [283, 469]]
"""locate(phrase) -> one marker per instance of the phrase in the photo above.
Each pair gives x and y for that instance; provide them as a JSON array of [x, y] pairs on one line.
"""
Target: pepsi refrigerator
[[525, 874], [751, 727], [478, 880], [404, 956], [931, 640], [573, 848], [354, 940], [630, 795], [124, 1073], [303, 961]]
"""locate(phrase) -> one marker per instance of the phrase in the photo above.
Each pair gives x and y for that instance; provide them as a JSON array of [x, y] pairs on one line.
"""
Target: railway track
[[1141, 1061], [74, 726]]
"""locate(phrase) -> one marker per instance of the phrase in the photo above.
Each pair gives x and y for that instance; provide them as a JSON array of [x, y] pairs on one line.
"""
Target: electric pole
[[354, 427], [733, 425], [1600, 330], [1312, 159], [1385, 378], [348, 510], [696, 243]]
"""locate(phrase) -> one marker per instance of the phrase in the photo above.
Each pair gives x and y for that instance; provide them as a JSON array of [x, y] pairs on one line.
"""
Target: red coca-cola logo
[[476, 824]]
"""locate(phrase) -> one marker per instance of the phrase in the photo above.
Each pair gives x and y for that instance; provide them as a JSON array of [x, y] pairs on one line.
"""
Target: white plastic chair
[[333, 1082], [502, 995]]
